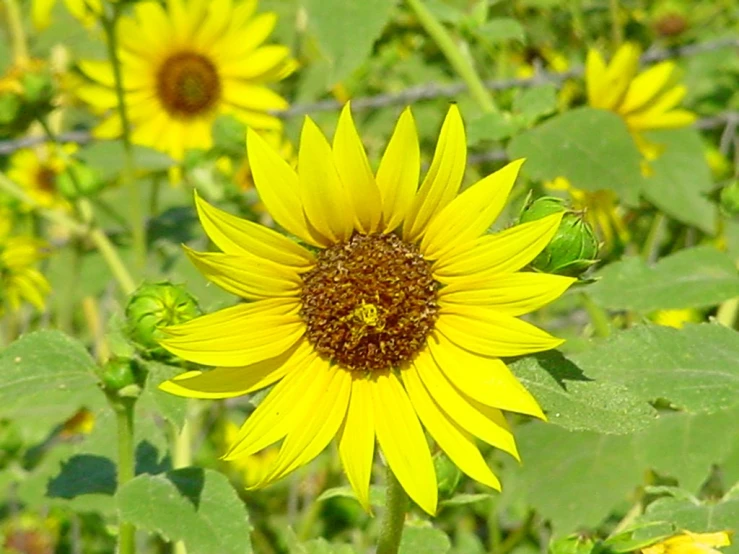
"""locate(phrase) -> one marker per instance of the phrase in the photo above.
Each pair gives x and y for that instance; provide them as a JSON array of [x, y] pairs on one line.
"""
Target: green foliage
[[697, 277], [424, 539], [193, 505]]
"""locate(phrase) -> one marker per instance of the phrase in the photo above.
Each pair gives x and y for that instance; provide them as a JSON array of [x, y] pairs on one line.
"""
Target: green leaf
[[424, 539], [696, 368], [45, 377], [196, 506], [697, 517], [693, 278], [574, 400], [346, 30], [583, 146], [681, 179], [376, 494], [491, 127], [108, 156], [173, 408], [465, 498], [535, 102], [502, 29]]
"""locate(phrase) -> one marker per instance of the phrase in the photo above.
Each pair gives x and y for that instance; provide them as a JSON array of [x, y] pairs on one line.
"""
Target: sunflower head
[[40, 172], [185, 63], [646, 101], [364, 320]]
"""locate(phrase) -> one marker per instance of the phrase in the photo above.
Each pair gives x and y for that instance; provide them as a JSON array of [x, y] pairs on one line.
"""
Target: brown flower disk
[[188, 84], [369, 303]]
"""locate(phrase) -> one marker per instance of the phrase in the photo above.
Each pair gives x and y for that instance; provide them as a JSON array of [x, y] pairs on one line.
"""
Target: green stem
[[396, 505], [138, 222], [124, 417], [617, 35], [17, 33], [651, 244], [598, 316], [98, 237], [458, 61]]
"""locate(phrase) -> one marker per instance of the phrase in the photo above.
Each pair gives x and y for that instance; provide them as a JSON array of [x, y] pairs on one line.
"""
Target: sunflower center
[[188, 84], [369, 303], [46, 179]]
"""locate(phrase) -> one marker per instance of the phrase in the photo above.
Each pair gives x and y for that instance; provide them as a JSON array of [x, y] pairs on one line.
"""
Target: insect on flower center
[[369, 303], [188, 84]]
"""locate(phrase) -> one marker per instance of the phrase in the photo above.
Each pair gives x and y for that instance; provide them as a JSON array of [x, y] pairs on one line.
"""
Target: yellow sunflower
[[185, 63], [37, 172], [600, 209], [19, 279], [391, 310], [691, 543], [646, 101]]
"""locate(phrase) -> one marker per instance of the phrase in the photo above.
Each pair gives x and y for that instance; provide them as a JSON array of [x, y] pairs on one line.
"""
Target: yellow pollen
[[368, 315]]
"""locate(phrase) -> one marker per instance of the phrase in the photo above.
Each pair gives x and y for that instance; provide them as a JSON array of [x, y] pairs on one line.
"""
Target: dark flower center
[[369, 303], [46, 179], [188, 84]]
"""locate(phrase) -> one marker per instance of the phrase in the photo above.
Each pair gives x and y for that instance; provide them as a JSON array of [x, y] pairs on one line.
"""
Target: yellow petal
[[281, 410], [443, 178], [41, 13], [512, 294], [470, 214], [278, 187], [486, 332], [252, 96], [235, 235], [397, 176], [256, 65], [595, 73], [402, 441], [318, 426], [239, 44], [619, 74], [356, 175], [247, 276], [237, 336], [647, 86], [357, 439], [228, 382], [325, 200], [484, 379], [674, 119], [455, 441], [488, 425], [503, 252]]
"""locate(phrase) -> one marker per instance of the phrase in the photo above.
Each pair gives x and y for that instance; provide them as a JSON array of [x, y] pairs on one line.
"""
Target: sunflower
[[646, 101], [600, 209], [19, 279], [691, 543], [185, 64], [390, 311], [37, 171]]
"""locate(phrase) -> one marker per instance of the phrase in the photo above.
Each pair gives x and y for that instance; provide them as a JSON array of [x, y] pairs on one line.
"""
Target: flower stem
[[16, 32], [98, 237], [598, 316], [396, 505], [124, 417], [654, 237], [138, 222], [617, 35], [454, 56]]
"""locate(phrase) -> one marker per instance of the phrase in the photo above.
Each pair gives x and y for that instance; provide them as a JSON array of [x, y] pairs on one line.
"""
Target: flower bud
[[119, 373], [156, 305], [730, 199], [574, 247]]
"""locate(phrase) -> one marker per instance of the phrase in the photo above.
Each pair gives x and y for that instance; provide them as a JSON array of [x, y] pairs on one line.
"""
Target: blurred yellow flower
[[85, 11], [37, 172], [19, 279], [690, 543], [183, 65], [252, 469], [600, 209], [646, 101], [676, 318]]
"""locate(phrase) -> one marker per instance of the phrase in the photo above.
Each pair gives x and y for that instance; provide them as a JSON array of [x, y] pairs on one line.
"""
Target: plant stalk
[[598, 316], [124, 417], [17, 34], [454, 56], [396, 506]]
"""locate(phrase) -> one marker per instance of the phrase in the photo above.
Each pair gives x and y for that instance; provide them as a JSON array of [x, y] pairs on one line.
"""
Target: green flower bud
[[119, 373], [447, 474], [574, 247], [153, 306], [730, 199]]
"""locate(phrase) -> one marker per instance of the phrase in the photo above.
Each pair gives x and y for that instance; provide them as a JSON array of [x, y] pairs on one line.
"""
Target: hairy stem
[[396, 505]]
